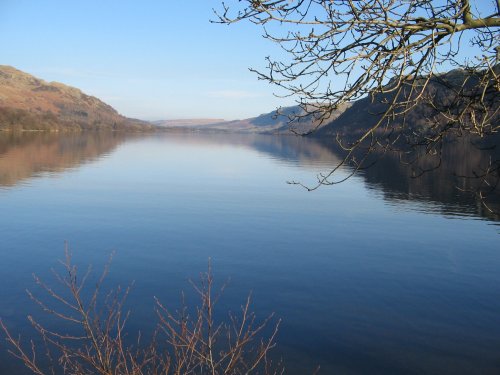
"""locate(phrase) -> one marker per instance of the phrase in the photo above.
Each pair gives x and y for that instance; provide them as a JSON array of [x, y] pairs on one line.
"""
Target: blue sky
[[148, 59]]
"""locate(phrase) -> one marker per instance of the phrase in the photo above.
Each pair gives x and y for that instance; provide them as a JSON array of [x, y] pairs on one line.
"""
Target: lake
[[381, 274]]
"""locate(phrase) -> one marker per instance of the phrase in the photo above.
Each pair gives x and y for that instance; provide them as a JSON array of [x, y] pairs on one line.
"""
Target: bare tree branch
[[393, 52]]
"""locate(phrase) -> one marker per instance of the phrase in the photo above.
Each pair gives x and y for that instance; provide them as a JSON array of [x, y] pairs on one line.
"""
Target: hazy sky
[[148, 59]]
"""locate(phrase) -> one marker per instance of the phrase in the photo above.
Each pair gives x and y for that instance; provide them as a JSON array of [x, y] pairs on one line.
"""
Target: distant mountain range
[[286, 120], [352, 119], [29, 103], [187, 123]]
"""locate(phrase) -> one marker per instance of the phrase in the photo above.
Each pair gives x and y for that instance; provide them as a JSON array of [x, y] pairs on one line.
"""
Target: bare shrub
[[182, 343]]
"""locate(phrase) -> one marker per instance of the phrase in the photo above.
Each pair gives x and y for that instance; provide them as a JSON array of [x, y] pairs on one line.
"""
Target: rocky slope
[[29, 103]]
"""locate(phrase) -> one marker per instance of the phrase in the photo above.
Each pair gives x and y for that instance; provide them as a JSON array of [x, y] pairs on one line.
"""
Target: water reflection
[[26, 155], [438, 190], [297, 150], [443, 184], [449, 183], [362, 287]]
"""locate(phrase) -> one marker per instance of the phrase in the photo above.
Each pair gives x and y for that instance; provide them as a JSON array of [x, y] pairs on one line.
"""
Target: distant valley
[[350, 119], [286, 120], [187, 123], [29, 103]]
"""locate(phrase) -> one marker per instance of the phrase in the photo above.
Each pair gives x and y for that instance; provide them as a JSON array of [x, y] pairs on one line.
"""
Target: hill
[[284, 121], [29, 103], [425, 118], [181, 123]]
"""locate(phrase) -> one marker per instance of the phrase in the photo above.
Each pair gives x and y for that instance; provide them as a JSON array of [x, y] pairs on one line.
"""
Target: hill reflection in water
[[27, 155], [365, 283], [448, 184]]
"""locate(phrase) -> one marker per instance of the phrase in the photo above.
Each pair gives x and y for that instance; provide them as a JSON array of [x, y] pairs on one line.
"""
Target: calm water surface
[[381, 274]]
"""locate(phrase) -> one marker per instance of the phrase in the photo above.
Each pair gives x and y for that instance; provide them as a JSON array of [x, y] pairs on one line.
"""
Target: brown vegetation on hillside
[[29, 103]]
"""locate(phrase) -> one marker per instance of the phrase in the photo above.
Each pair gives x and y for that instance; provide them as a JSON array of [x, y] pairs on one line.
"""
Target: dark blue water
[[372, 276]]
